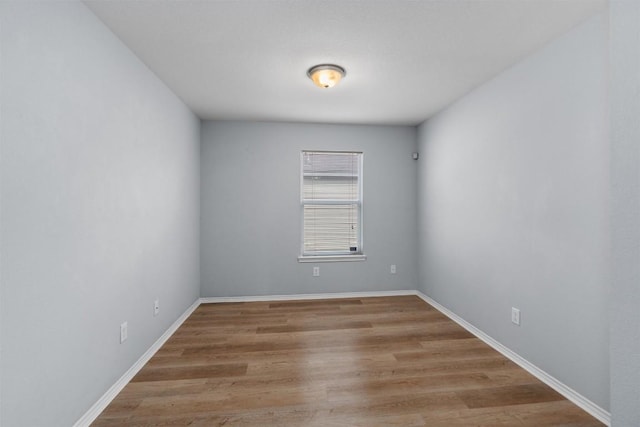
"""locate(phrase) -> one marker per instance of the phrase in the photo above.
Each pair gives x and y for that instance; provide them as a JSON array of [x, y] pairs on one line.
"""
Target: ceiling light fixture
[[326, 75]]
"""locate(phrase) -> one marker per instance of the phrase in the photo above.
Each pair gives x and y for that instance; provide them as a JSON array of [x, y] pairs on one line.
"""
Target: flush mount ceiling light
[[326, 75]]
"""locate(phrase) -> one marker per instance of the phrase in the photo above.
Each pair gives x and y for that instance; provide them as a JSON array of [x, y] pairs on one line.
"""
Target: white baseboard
[[552, 382], [209, 300], [97, 408], [575, 397]]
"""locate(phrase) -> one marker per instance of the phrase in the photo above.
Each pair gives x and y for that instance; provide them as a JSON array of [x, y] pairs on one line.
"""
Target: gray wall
[[250, 200], [513, 209], [625, 212], [100, 210]]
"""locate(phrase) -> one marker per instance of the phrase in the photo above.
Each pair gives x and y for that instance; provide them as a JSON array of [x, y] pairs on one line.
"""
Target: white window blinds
[[331, 203]]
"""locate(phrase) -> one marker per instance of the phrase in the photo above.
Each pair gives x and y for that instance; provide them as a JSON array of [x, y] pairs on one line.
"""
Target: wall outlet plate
[[392, 270], [124, 332], [316, 271], [515, 316]]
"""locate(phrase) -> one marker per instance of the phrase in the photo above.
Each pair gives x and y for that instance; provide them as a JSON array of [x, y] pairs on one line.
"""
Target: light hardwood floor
[[387, 361]]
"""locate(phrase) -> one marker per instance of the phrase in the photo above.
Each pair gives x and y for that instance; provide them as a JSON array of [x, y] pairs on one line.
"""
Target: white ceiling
[[405, 60]]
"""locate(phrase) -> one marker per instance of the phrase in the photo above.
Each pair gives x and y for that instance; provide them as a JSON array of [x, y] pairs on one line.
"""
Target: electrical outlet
[[156, 307], [515, 316], [392, 270], [316, 271], [124, 333]]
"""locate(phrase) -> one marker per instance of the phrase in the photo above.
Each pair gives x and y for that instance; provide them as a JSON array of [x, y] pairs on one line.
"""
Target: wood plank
[[559, 413], [508, 395], [150, 373], [312, 327]]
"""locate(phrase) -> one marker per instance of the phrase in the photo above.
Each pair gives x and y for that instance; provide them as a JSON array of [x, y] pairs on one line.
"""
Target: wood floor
[[388, 361]]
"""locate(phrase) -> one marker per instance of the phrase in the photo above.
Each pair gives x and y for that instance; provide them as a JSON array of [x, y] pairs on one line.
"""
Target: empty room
[[319, 213]]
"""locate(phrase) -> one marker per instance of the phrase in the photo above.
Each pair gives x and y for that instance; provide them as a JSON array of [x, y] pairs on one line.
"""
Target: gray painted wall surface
[[100, 210], [250, 204], [513, 209], [625, 212]]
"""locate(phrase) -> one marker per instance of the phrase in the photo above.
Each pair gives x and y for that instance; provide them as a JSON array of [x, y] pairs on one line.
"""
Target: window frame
[[333, 256]]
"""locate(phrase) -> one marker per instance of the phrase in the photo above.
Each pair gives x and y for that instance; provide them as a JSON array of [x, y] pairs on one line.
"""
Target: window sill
[[331, 258]]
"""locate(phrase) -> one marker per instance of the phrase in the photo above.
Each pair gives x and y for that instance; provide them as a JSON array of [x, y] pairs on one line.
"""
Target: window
[[331, 205]]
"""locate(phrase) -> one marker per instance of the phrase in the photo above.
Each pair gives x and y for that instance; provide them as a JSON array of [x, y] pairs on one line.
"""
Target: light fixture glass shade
[[326, 75]]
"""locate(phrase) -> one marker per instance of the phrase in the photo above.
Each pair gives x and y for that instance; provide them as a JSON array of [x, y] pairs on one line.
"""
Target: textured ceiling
[[405, 60]]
